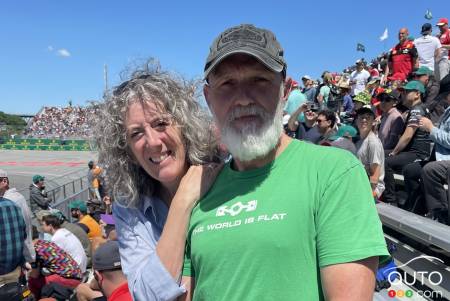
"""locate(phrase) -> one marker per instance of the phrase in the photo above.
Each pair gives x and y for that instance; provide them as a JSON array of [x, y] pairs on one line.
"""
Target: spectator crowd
[[392, 114], [65, 123]]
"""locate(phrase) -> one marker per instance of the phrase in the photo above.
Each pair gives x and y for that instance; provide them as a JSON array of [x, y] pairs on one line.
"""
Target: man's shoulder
[[5, 203]]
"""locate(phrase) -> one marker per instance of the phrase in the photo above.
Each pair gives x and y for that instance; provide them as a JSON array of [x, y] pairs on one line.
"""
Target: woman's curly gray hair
[[126, 179]]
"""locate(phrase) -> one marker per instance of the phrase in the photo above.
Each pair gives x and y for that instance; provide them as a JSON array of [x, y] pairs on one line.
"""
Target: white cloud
[[50, 48], [63, 52]]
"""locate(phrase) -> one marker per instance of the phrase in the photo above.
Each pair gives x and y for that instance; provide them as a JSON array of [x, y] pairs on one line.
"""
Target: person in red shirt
[[402, 58], [108, 272], [442, 64]]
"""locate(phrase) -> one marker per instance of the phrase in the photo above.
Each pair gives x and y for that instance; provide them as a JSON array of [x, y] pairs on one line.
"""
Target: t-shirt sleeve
[[347, 224], [377, 153]]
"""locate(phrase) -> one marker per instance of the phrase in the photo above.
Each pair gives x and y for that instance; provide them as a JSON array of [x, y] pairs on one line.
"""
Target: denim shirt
[[139, 230], [441, 136]]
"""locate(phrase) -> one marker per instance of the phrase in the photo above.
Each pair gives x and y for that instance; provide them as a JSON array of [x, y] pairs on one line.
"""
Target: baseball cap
[[423, 70], [374, 79], [414, 85], [306, 77], [442, 21], [389, 95], [37, 178], [3, 174], [55, 212], [107, 257], [363, 97], [246, 38], [426, 28], [344, 131], [78, 204], [365, 110]]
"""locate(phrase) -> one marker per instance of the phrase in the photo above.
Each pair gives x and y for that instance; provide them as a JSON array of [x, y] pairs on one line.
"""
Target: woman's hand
[[196, 183]]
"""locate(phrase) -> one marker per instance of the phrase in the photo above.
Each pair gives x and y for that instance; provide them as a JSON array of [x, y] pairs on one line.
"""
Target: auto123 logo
[[424, 278]]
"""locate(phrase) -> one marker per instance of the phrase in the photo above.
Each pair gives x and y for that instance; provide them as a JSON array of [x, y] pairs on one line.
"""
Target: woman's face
[[156, 143]]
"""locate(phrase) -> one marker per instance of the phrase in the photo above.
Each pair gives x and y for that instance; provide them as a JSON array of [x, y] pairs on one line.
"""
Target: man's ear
[[286, 86]]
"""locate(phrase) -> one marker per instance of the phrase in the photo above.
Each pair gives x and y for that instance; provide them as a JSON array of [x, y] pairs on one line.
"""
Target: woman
[[154, 140]]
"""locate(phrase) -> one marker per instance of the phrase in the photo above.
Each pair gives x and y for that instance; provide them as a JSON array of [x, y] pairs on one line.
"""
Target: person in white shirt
[[65, 240], [428, 47], [359, 78]]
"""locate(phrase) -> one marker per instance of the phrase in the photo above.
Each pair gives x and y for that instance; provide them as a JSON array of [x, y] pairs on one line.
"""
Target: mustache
[[245, 111]]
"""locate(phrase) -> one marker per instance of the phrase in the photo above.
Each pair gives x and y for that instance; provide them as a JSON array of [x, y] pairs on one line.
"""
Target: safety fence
[[46, 144]]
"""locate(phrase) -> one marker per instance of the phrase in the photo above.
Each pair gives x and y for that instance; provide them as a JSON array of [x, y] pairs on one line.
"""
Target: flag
[[428, 15], [384, 36], [360, 47]]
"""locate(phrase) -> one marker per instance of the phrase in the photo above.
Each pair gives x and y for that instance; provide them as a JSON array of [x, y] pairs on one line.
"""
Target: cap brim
[[440, 24], [263, 58]]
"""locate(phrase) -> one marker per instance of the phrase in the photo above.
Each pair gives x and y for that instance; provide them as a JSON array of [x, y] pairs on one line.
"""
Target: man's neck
[[260, 162], [415, 103]]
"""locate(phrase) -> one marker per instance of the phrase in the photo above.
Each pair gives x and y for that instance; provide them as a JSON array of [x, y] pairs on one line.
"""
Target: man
[[428, 47], [402, 58], [347, 101], [370, 150], [434, 174], [108, 272], [324, 90], [274, 224], [94, 175], [51, 224], [443, 64], [307, 130], [13, 195], [295, 99], [392, 124], [326, 122], [73, 228], [38, 197], [413, 145], [426, 76], [359, 78], [13, 234], [78, 209], [308, 88]]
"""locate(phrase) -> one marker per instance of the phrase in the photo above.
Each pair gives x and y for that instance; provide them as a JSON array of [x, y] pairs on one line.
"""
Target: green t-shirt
[[263, 234], [325, 92]]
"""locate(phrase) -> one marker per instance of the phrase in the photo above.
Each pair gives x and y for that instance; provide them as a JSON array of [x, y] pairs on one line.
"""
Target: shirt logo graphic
[[237, 208]]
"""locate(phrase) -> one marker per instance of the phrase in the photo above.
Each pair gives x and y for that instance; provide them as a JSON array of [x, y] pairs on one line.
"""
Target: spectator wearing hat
[[414, 144], [443, 66], [428, 47], [305, 130], [308, 88], [75, 229], [78, 209], [392, 124], [359, 78], [38, 196], [426, 76], [94, 178], [402, 58], [13, 195], [343, 138], [108, 272], [370, 150], [65, 239], [295, 99], [347, 101]]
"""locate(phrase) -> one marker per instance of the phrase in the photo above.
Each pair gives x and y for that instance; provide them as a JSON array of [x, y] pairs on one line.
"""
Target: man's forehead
[[403, 30]]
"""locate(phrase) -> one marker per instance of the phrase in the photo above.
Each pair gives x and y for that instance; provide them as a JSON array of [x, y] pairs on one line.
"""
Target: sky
[[53, 52]]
